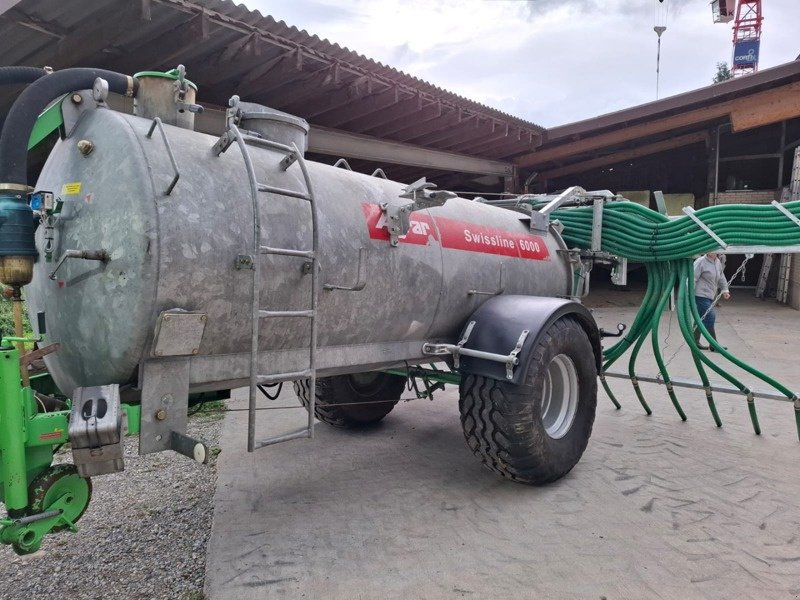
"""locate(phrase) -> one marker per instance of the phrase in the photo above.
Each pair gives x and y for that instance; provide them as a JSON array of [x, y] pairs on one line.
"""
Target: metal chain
[[747, 257]]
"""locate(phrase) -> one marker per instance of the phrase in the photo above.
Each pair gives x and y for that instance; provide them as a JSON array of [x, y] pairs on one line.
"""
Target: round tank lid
[[251, 110], [173, 74]]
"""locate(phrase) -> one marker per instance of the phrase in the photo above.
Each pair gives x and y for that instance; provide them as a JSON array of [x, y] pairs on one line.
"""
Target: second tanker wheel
[[535, 432], [353, 400]]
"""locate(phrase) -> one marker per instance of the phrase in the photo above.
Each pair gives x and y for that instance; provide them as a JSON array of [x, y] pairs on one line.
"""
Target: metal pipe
[[99, 255]]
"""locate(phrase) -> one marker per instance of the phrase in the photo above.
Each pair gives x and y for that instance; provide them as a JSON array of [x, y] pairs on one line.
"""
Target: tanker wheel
[[536, 431], [378, 393]]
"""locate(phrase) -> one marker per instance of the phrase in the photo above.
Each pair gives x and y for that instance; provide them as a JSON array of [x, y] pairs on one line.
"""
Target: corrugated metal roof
[[228, 49]]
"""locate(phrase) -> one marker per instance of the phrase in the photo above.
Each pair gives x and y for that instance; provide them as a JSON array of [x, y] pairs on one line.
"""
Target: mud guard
[[500, 322]]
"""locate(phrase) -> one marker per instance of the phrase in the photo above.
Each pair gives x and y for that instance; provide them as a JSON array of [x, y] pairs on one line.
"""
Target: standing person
[[709, 276]]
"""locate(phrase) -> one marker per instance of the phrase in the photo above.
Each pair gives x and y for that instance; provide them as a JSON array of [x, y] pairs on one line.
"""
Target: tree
[[723, 72]]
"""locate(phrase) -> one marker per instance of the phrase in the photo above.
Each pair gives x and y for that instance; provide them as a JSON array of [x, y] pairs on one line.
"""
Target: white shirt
[[709, 275]]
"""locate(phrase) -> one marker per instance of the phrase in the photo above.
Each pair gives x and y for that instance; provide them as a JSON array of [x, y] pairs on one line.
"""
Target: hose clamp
[[129, 90], [15, 187]]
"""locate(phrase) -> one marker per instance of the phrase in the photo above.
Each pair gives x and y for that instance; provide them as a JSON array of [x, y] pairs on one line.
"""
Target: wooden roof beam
[[399, 127], [404, 109], [497, 132], [371, 104], [421, 129], [522, 141], [170, 47], [89, 38], [289, 93], [19, 18], [626, 155], [353, 90], [468, 127], [685, 119]]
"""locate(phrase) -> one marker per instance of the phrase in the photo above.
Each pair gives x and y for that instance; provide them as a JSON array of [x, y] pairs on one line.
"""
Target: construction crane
[[746, 32]]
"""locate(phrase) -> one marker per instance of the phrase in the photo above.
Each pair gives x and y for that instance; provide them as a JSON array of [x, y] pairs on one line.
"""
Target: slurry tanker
[[160, 265]]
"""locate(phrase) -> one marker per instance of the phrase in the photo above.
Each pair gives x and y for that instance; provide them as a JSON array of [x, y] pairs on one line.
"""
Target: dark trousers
[[703, 304]]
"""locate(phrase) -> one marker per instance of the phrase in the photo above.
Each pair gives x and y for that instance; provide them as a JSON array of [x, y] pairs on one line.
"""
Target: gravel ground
[[143, 536]]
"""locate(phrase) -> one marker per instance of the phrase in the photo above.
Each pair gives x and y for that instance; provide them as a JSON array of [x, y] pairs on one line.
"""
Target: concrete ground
[[657, 508]]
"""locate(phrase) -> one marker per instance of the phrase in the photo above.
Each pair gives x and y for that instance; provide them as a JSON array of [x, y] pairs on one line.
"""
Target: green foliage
[[7, 318], [723, 72]]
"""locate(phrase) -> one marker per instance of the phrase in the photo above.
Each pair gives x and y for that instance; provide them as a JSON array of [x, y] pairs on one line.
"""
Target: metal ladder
[[783, 268], [763, 276], [291, 155]]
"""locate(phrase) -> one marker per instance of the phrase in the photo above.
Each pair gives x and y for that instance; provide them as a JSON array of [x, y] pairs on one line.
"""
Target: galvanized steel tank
[[178, 251]]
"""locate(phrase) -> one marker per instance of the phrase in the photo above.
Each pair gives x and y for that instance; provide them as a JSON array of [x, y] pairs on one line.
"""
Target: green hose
[[666, 247], [668, 276]]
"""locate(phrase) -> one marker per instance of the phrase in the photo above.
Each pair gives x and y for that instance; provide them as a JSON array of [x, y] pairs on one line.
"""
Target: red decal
[[420, 231], [460, 235], [51, 436]]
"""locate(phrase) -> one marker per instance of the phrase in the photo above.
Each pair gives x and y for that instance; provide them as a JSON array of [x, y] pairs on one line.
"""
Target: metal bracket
[[500, 286], [361, 277], [228, 136], [661, 204], [165, 399], [181, 88], [597, 224], [511, 359], [689, 212], [786, 212], [379, 173], [540, 220], [244, 261], [619, 271], [398, 216], [157, 123]]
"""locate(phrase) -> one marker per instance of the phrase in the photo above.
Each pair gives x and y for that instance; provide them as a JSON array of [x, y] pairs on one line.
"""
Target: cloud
[[548, 61]]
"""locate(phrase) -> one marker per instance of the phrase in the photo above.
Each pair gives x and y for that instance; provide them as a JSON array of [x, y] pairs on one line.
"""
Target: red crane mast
[[746, 37]]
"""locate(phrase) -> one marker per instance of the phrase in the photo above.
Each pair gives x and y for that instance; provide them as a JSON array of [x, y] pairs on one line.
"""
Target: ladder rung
[[257, 141], [263, 187], [287, 252], [277, 377], [300, 433], [267, 314]]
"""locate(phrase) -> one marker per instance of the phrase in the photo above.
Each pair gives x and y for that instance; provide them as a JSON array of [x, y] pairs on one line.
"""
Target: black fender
[[499, 323]]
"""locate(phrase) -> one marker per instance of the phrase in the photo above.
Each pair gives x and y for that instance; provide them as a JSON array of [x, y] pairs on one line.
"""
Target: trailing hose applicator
[[17, 225]]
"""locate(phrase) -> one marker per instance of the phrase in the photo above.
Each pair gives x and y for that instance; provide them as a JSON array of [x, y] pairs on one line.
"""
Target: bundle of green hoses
[[643, 235], [666, 247]]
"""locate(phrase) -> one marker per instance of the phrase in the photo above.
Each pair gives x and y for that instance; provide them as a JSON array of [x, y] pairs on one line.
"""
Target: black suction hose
[[19, 75], [25, 110]]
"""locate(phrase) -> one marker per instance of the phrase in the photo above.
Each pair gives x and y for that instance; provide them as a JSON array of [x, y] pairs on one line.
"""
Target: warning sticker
[[69, 189]]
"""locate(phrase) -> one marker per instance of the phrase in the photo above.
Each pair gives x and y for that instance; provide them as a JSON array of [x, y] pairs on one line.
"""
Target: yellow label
[[71, 188]]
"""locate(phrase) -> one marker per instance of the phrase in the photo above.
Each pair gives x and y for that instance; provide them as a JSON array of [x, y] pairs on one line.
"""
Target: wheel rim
[[560, 396], [365, 383]]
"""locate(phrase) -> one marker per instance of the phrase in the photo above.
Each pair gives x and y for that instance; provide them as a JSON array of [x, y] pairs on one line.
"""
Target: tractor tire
[[379, 393], [536, 431]]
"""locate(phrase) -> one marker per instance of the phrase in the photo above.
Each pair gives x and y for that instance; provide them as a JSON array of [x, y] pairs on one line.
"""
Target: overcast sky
[[547, 61]]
